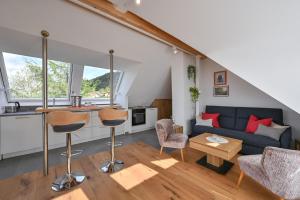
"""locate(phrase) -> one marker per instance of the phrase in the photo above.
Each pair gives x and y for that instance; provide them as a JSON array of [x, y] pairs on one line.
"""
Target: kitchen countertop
[[24, 110], [75, 109], [32, 110], [20, 113]]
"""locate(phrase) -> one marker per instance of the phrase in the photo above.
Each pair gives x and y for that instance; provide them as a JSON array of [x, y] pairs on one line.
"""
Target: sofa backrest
[[237, 117], [243, 114], [227, 117]]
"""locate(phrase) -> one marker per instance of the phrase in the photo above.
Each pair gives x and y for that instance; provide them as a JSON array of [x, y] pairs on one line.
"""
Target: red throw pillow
[[253, 123], [214, 117]]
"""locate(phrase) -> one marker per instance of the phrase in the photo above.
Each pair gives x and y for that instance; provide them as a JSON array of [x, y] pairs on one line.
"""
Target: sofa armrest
[[286, 138], [193, 122]]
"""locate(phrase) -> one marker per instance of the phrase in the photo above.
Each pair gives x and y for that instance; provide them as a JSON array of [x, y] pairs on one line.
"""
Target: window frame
[[5, 81], [102, 99]]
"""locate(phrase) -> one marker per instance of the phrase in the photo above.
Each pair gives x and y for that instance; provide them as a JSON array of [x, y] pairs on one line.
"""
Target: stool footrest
[[73, 153], [67, 181], [117, 144], [109, 166]]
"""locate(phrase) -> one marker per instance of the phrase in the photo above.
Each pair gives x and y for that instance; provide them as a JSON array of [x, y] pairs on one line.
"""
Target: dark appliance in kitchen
[[138, 116]]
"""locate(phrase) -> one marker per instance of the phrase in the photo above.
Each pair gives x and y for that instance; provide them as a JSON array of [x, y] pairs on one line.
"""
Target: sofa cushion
[[214, 117], [254, 122], [271, 132], [227, 115], [243, 114], [249, 139]]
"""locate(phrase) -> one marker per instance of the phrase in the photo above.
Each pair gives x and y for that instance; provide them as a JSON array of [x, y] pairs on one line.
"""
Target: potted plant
[[195, 93], [191, 72]]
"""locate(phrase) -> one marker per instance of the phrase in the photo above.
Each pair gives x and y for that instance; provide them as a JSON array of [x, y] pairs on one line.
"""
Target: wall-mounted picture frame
[[221, 91], [220, 78]]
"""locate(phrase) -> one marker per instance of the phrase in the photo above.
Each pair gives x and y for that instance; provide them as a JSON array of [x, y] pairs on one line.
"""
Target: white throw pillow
[[274, 125], [203, 122]]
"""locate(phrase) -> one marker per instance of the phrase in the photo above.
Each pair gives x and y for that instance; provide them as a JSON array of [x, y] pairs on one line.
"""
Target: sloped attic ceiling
[[71, 25], [257, 39]]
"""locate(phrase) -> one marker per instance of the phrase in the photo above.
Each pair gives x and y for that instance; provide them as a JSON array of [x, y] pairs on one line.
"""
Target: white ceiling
[[256, 39], [12, 41], [83, 34]]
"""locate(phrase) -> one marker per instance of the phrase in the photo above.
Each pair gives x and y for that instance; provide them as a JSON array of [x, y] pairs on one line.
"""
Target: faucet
[[53, 101]]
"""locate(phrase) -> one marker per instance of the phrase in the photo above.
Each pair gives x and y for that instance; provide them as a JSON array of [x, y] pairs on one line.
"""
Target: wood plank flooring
[[146, 175]]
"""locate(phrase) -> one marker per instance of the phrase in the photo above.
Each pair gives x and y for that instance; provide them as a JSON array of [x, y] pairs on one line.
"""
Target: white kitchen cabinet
[[21, 133], [151, 117], [100, 132]]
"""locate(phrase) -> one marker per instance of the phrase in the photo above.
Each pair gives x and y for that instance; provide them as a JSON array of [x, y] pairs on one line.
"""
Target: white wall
[[177, 71], [189, 106], [3, 100], [241, 93], [182, 107], [256, 39], [72, 25]]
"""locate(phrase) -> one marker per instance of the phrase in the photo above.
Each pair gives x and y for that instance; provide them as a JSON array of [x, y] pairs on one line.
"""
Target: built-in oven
[[138, 116]]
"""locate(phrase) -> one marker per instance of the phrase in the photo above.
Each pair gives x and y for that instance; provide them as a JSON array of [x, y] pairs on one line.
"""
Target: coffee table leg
[[216, 164], [215, 161]]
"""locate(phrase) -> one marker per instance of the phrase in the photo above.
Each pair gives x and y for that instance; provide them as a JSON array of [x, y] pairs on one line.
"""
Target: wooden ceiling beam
[[140, 24]]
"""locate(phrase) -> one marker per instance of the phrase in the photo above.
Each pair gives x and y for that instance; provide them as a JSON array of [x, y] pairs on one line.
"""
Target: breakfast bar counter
[[44, 111], [74, 109]]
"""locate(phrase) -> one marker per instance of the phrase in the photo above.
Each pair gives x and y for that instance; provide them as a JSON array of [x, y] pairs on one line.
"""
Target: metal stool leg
[[70, 179], [112, 165]]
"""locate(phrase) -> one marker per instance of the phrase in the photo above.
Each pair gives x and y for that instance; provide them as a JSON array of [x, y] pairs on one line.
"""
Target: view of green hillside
[[98, 87], [26, 81]]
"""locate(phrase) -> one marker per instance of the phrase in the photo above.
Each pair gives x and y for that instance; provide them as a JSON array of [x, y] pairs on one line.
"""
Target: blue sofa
[[233, 122]]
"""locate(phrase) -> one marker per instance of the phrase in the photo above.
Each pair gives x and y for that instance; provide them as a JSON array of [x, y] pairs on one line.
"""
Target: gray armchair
[[276, 169], [167, 137]]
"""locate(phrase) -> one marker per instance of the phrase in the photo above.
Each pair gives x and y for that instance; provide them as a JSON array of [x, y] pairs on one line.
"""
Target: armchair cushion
[[282, 166], [277, 169], [164, 128], [176, 140], [251, 166]]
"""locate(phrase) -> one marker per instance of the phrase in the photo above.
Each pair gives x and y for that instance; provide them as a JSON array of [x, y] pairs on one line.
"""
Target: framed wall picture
[[220, 78], [221, 91]]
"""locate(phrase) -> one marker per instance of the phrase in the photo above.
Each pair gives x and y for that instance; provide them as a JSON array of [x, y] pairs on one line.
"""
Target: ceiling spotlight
[[175, 50], [138, 2]]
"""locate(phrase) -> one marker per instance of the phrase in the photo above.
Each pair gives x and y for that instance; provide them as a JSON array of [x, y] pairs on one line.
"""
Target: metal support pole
[[112, 165], [111, 77], [112, 130], [45, 35], [111, 95], [69, 153]]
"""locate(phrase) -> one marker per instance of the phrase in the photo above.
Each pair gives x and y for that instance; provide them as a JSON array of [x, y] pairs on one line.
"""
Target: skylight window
[[23, 77], [95, 82]]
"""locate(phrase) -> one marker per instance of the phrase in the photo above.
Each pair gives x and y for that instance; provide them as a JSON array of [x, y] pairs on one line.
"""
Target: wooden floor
[[146, 175]]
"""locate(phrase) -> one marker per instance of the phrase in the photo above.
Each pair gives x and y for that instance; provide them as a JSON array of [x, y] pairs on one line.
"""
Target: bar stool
[[67, 122], [112, 118]]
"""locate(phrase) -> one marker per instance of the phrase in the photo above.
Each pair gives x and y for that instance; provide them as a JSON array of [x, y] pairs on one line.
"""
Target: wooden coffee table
[[218, 155]]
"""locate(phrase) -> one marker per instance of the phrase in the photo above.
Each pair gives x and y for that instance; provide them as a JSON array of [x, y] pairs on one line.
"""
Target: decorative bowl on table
[[217, 139]]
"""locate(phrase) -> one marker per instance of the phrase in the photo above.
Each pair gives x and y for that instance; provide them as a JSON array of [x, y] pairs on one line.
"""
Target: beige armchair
[[276, 169], [167, 137]]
